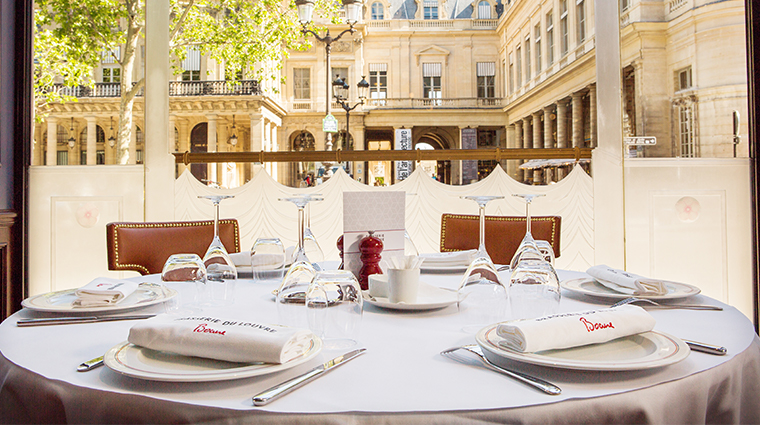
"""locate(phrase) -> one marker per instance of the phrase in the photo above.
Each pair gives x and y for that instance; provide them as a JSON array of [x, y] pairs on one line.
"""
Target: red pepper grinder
[[340, 251], [370, 247]]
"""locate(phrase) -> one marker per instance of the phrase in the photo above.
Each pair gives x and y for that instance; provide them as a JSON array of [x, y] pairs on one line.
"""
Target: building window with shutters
[[378, 83], [431, 83], [580, 13], [301, 83], [192, 65], [537, 32], [563, 27], [378, 12], [528, 72], [430, 10], [511, 75], [518, 67], [486, 81]]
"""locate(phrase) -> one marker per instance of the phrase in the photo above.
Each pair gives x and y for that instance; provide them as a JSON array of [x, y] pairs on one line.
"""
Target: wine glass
[[310, 244], [527, 248], [334, 304], [267, 259], [186, 268], [291, 294], [547, 250], [482, 294], [534, 289], [221, 272]]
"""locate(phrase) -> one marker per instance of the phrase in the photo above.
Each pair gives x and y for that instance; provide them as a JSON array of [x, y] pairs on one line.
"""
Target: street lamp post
[[340, 93], [353, 13]]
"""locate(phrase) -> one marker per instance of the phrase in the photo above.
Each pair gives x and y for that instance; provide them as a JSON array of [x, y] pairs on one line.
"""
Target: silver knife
[[706, 348], [292, 384], [77, 319]]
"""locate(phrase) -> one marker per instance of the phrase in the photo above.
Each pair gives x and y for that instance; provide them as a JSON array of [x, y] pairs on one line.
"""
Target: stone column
[[527, 144], [548, 138], [577, 120], [518, 172], [561, 131], [37, 145], [183, 142], [52, 139], [538, 143], [133, 144], [211, 140], [592, 114], [92, 138]]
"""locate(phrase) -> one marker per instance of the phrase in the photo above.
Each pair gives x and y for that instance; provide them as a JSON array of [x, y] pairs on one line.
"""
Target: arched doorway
[[199, 143], [431, 140], [304, 174]]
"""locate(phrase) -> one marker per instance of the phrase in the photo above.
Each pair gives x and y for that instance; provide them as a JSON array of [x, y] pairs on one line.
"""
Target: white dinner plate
[[151, 365], [587, 286], [636, 352], [62, 301], [429, 297]]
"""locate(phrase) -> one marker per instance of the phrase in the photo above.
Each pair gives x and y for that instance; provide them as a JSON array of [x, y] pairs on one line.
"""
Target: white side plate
[[62, 301], [429, 297], [587, 286], [151, 365], [636, 352]]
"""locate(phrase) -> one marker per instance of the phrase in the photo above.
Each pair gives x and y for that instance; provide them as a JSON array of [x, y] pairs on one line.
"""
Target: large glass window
[[486, 80], [537, 32], [111, 74], [430, 10], [581, 16], [484, 10], [563, 27], [378, 13], [528, 71], [511, 75], [518, 67], [549, 39], [686, 132], [301, 83]]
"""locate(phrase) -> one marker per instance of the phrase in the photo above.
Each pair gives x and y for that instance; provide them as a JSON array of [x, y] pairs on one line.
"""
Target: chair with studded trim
[[503, 234], [145, 247]]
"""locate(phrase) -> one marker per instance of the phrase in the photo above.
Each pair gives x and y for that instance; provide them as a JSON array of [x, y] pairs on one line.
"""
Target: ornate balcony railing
[[442, 103], [176, 88]]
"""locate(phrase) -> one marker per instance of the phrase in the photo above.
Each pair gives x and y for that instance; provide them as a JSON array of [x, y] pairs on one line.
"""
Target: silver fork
[[542, 385], [671, 306]]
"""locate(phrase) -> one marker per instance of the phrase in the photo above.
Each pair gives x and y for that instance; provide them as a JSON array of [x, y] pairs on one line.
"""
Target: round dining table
[[401, 379]]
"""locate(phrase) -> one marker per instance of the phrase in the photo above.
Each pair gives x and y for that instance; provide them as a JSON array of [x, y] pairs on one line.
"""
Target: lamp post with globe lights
[[340, 93]]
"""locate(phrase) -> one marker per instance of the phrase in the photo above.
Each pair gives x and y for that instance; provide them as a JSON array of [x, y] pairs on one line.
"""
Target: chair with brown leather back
[[145, 247], [503, 234]]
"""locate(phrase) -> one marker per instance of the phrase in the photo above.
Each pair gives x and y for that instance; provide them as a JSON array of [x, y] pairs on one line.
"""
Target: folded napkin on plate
[[104, 291], [627, 283], [229, 339], [575, 329], [449, 259]]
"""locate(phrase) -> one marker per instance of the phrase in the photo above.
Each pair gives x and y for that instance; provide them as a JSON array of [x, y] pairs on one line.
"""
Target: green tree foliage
[[249, 37]]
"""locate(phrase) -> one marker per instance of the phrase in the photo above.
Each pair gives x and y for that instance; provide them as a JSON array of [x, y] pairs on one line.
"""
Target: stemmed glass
[[310, 245], [482, 294], [528, 249], [334, 305], [534, 289], [292, 291], [221, 272]]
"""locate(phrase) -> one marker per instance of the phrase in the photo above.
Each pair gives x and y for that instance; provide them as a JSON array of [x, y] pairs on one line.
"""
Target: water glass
[[534, 290], [267, 259], [334, 306], [185, 268]]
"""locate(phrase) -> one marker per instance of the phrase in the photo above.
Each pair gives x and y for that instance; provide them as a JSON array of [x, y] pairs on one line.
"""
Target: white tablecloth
[[402, 377]]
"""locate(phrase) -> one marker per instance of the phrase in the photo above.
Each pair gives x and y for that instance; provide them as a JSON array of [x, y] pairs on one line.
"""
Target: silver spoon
[[542, 385], [658, 305]]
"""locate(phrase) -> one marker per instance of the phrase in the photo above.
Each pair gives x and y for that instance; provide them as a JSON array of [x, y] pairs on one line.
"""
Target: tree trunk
[[135, 24]]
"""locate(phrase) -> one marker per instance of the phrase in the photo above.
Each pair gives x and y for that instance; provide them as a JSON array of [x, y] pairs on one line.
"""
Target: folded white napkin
[[575, 329], [449, 259], [229, 339], [241, 258], [104, 291], [627, 283]]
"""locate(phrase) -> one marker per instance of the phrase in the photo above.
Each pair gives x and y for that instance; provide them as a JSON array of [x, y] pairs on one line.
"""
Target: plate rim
[[167, 294], [248, 371], [609, 294], [681, 352]]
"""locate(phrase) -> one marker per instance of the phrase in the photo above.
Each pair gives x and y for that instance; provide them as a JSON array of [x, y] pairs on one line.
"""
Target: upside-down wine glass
[[291, 294], [334, 306], [221, 273], [482, 296], [534, 289], [310, 244], [528, 249]]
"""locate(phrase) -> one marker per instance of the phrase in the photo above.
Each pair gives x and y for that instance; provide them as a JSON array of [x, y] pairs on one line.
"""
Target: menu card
[[379, 212]]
